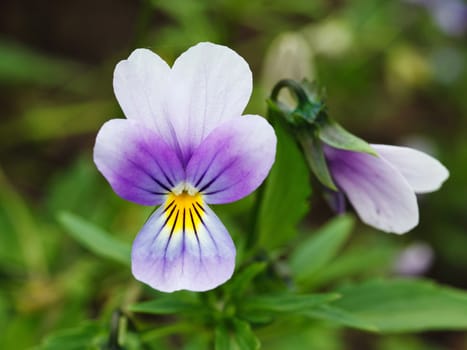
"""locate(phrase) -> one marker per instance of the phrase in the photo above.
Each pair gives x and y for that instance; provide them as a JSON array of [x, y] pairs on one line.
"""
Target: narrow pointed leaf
[[340, 317], [406, 305], [288, 302], [244, 336], [165, 306], [95, 239], [320, 248], [222, 338], [86, 336], [242, 280]]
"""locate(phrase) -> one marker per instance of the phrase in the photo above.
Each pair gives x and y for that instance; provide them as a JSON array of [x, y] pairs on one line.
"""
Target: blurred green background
[[394, 72]]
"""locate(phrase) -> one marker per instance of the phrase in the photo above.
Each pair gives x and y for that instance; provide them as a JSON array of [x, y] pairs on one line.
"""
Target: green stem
[[293, 86]]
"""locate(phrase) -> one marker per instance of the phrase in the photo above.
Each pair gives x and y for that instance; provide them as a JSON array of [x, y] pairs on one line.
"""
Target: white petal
[[183, 247], [209, 85], [140, 85], [378, 192], [423, 172]]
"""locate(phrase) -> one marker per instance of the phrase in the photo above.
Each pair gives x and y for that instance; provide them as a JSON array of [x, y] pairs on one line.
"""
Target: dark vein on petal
[[194, 226], [175, 224], [212, 238], [149, 174], [130, 182], [222, 171], [200, 206], [207, 168], [167, 178], [169, 216], [198, 213], [183, 241], [167, 207], [170, 235]]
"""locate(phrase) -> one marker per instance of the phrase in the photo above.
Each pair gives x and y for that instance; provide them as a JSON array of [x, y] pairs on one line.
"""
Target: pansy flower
[[382, 188], [183, 146]]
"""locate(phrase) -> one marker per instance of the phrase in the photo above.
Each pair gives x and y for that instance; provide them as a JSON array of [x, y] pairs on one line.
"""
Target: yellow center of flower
[[184, 212]]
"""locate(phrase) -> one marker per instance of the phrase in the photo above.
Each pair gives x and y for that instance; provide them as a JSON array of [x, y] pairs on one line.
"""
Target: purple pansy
[[382, 189], [184, 145]]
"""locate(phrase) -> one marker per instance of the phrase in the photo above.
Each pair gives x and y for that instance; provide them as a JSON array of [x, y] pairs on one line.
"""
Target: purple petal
[[210, 84], [233, 160], [177, 250], [378, 192], [423, 172], [136, 162]]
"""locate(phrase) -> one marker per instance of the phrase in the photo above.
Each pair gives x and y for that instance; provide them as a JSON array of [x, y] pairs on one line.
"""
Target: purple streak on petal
[[233, 160], [136, 162], [378, 192], [170, 260]]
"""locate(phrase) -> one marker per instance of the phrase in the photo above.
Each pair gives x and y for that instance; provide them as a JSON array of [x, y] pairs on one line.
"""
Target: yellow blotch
[[184, 212]]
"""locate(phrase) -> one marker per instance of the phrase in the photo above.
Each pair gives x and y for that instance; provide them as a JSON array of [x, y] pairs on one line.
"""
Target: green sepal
[[334, 135], [313, 151]]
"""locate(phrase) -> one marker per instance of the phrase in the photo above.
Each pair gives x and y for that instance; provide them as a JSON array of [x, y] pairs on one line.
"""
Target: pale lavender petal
[[169, 255], [233, 160], [380, 195], [423, 172], [136, 162], [414, 260], [140, 85], [210, 84]]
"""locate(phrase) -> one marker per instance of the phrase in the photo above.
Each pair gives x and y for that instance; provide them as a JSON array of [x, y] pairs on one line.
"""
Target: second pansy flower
[[184, 145]]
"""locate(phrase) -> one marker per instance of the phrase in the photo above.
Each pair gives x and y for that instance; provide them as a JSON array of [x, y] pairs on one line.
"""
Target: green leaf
[[82, 337], [405, 305], [359, 261], [165, 306], [95, 239], [336, 136], [286, 193], [242, 280], [287, 302], [313, 150], [222, 338], [244, 336], [339, 316], [316, 251]]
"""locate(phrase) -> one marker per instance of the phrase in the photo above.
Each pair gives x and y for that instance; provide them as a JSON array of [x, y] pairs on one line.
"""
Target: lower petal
[[378, 192], [183, 245]]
